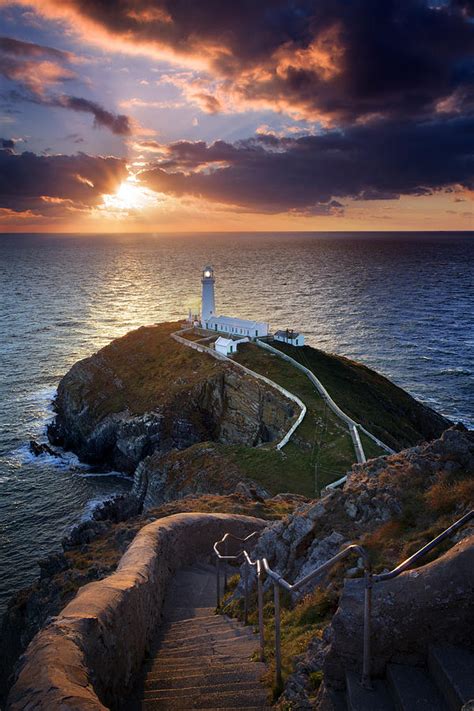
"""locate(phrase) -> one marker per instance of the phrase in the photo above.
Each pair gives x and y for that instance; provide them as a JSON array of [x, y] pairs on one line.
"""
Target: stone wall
[[88, 656], [428, 605]]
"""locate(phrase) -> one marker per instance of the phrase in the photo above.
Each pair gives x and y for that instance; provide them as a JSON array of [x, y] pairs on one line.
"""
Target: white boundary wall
[[353, 426], [205, 349]]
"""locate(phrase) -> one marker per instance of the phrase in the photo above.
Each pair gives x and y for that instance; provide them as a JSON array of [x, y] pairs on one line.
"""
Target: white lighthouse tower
[[208, 307]]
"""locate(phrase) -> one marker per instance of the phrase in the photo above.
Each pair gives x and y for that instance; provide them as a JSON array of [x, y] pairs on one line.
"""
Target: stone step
[[198, 665], [168, 641], [218, 700], [452, 668], [413, 690], [199, 659], [225, 675], [242, 650], [360, 699], [198, 622], [201, 690], [151, 705]]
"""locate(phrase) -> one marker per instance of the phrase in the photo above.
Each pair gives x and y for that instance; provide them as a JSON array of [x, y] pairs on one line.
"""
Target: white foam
[[92, 505]]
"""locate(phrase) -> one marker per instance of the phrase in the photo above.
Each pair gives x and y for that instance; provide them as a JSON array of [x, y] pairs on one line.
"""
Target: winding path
[[352, 424], [218, 356]]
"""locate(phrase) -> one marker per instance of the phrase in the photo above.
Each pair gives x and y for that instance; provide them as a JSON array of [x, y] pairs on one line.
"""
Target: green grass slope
[[386, 410]]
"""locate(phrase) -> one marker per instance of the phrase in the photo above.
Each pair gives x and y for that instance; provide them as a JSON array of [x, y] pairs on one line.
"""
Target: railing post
[[366, 681], [246, 593], [218, 581], [225, 566], [260, 612], [276, 598]]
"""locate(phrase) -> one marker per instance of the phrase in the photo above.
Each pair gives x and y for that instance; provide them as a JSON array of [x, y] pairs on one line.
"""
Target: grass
[[321, 449], [428, 508], [300, 623], [142, 368], [383, 408]]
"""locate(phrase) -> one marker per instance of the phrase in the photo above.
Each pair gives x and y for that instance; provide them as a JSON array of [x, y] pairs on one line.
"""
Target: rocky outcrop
[[377, 492], [392, 506], [87, 657], [145, 393], [429, 605], [201, 469]]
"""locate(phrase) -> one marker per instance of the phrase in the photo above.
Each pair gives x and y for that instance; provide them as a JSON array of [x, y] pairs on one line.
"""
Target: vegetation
[[384, 409], [142, 368], [427, 510], [321, 449], [301, 622]]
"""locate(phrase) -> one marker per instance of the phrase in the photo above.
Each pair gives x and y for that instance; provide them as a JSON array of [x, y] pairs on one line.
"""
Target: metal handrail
[[401, 567], [263, 566]]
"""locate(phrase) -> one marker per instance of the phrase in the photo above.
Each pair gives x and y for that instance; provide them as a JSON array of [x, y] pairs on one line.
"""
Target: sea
[[402, 303]]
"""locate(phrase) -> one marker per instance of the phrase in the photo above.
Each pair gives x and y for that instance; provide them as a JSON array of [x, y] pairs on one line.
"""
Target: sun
[[130, 196]]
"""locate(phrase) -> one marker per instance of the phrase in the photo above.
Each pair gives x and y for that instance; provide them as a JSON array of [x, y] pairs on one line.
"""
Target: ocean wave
[[100, 475], [64, 460], [452, 372], [92, 505]]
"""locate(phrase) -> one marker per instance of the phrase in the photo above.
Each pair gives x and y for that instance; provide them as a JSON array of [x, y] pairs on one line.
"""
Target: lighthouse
[[208, 308]]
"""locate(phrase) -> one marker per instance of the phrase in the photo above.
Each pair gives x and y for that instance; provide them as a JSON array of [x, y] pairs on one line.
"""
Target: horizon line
[[217, 232]]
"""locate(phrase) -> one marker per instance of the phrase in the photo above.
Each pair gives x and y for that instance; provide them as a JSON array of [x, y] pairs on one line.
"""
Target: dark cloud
[[32, 182], [117, 123], [18, 48], [305, 174], [7, 143], [335, 60], [36, 69]]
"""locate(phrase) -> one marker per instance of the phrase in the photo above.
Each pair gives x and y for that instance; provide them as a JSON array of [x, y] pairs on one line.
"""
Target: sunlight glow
[[130, 196]]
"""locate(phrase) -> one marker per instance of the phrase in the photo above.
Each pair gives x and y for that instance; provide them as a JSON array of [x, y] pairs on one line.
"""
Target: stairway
[[199, 660], [445, 684]]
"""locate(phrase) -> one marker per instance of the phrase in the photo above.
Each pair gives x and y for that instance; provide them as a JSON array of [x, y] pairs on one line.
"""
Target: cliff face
[[144, 393]]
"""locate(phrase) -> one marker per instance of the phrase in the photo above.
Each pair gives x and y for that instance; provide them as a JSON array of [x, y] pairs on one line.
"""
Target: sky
[[215, 115]]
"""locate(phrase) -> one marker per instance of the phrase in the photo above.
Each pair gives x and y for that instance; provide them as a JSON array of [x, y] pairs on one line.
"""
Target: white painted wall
[[208, 306], [236, 327], [299, 341]]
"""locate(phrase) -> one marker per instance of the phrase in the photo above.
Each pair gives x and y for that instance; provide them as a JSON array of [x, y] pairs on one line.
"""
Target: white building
[[236, 326], [208, 308], [228, 346], [292, 337], [227, 325]]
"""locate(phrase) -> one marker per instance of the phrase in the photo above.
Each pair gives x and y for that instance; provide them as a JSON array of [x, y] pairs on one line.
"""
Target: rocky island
[[200, 436]]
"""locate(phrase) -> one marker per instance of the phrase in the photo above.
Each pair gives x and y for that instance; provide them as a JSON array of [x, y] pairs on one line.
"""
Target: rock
[[430, 605], [54, 563], [113, 415], [197, 470], [38, 449], [351, 509]]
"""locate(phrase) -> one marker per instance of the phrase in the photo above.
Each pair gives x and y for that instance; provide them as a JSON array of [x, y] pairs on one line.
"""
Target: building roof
[[236, 322], [287, 334], [224, 341]]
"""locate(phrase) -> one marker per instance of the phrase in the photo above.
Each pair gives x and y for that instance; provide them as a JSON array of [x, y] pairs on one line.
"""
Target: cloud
[[116, 123], [36, 69], [7, 143], [306, 174], [39, 183], [336, 61]]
